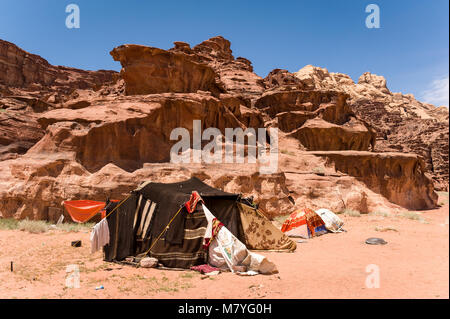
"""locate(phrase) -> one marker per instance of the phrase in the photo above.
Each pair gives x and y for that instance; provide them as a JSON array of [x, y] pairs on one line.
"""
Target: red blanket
[[204, 269]]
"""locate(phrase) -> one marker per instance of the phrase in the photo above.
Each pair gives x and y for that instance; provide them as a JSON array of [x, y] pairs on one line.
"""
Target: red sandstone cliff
[[72, 134]]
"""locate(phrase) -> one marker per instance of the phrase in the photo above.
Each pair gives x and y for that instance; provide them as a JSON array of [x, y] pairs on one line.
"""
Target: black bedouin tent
[[153, 220]]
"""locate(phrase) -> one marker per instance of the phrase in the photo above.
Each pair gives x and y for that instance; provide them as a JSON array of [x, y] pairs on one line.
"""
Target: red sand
[[414, 264]]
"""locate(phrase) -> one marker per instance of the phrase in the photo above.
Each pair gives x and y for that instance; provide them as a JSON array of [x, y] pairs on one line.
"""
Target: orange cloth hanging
[[82, 211]]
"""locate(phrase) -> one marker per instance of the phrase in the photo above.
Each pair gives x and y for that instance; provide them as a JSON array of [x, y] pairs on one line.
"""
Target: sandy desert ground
[[414, 264]]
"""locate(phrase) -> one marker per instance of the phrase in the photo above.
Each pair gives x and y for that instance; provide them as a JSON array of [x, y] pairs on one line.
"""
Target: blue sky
[[411, 49]]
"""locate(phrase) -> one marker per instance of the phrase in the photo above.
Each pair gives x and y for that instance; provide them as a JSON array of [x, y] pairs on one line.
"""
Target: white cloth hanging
[[99, 235]]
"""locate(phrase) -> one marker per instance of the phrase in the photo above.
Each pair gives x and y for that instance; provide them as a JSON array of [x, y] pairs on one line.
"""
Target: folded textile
[[205, 269], [212, 229], [225, 251], [193, 201], [236, 255], [332, 222], [99, 235]]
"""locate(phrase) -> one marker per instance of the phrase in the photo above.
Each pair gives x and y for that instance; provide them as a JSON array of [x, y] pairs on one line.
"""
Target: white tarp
[[332, 222], [226, 251]]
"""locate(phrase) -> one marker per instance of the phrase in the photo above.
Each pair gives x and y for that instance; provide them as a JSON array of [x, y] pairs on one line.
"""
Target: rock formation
[[29, 85], [20, 69], [235, 74], [400, 121], [73, 134], [151, 70]]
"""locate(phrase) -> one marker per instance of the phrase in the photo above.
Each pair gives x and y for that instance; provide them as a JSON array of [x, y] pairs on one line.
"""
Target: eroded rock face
[[46, 182], [148, 70], [209, 66], [19, 68], [280, 77], [397, 176], [30, 187], [129, 131], [235, 74], [19, 129], [320, 120], [313, 182], [29, 85], [319, 135], [290, 99], [400, 121], [75, 134], [397, 133]]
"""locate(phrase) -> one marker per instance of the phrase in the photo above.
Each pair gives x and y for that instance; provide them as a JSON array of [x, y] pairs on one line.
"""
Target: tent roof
[[185, 188]]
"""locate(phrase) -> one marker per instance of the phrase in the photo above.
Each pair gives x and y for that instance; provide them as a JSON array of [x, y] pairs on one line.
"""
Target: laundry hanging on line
[[99, 235]]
